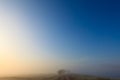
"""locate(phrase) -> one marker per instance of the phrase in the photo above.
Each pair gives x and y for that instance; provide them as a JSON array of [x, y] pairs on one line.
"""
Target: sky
[[43, 36]]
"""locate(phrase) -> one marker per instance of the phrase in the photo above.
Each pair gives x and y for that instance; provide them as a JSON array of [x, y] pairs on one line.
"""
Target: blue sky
[[83, 33]]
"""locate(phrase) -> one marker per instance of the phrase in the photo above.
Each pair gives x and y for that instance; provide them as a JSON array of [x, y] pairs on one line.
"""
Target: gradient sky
[[42, 36]]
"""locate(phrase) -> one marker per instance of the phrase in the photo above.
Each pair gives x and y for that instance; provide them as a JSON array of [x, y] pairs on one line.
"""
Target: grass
[[56, 77]]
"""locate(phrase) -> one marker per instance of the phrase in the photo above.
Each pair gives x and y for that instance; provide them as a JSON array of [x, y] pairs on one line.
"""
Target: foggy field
[[55, 77]]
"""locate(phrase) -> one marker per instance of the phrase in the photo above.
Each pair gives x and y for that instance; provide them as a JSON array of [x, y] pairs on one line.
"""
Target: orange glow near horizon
[[12, 58]]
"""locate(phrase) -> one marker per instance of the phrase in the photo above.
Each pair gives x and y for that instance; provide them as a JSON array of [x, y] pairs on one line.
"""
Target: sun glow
[[10, 43], [15, 48]]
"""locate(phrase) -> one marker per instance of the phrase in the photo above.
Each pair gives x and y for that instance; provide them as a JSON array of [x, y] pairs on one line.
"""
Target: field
[[56, 77]]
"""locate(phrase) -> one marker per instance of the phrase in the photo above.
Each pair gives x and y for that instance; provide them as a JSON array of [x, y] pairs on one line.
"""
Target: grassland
[[55, 77]]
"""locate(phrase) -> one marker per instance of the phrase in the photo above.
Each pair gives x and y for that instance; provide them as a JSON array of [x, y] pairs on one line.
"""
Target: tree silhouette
[[63, 75]]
